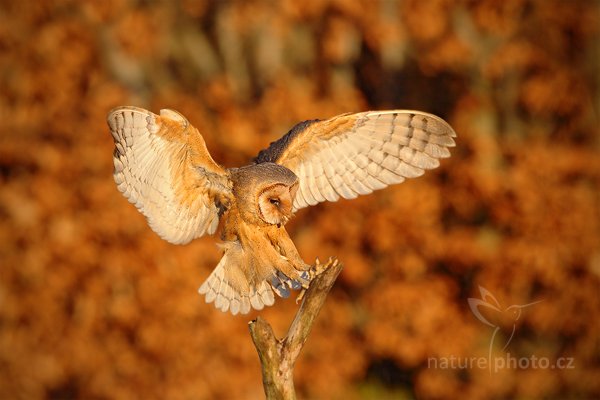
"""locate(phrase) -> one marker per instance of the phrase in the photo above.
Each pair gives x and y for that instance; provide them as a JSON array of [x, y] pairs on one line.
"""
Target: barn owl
[[162, 165]]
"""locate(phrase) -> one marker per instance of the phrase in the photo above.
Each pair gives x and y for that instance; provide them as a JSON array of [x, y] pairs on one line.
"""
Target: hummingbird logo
[[495, 316]]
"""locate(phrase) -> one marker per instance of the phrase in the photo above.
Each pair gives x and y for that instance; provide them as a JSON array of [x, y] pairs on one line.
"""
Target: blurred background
[[94, 305]]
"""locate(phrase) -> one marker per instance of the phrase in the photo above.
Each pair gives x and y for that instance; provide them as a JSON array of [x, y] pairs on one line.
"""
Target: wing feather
[[355, 154], [161, 165]]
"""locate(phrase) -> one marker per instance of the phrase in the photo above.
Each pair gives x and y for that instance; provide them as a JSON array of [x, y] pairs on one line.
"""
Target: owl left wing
[[163, 167], [354, 154]]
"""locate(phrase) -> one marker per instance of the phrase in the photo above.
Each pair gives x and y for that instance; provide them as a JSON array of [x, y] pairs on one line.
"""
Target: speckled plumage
[[163, 167]]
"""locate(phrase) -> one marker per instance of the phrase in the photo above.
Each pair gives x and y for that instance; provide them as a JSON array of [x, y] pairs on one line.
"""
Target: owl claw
[[312, 273], [305, 287], [300, 296]]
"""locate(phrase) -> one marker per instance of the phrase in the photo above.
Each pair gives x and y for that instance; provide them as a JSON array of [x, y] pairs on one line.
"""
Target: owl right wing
[[163, 167], [355, 154]]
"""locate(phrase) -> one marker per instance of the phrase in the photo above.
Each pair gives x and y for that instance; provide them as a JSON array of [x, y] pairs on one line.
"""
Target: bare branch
[[278, 357]]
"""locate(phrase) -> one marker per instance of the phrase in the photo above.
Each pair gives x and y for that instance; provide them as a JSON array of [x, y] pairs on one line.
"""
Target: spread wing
[[163, 167], [354, 154]]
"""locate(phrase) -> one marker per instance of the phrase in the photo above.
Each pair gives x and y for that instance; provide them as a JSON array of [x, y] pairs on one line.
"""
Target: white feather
[[266, 294], [235, 305], [256, 301], [245, 305], [313, 172]]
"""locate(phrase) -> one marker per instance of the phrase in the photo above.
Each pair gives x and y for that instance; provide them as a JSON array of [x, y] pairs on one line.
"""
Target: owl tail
[[228, 287]]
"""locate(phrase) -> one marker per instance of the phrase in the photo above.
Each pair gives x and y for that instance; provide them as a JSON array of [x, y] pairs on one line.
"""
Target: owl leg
[[297, 277], [293, 272], [288, 250]]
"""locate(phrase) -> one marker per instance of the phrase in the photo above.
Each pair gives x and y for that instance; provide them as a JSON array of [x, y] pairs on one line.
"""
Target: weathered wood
[[278, 357]]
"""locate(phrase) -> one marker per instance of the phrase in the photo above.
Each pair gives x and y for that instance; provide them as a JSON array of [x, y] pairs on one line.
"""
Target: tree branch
[[277, 357]]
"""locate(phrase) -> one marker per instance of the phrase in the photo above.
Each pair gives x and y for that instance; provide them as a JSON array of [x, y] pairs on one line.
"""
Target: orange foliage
[[94, 305]]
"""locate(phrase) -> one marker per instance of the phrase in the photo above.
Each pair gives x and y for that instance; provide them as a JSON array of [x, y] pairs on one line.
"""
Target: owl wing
[[354, 154], [163, 167]]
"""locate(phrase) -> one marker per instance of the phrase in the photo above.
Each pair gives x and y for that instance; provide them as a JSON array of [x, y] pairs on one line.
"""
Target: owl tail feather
[[227, 286], [219, 288]]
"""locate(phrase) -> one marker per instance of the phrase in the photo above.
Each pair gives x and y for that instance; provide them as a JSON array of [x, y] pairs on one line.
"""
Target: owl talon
[[304, 279], [305, 287], [300, 296], [312, 273]]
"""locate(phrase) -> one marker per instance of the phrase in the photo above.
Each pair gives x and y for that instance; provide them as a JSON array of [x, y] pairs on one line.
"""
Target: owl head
[[275, 203], [265, 193]]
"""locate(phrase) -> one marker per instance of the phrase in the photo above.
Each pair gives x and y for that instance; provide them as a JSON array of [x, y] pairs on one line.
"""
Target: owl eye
[[274, 202]]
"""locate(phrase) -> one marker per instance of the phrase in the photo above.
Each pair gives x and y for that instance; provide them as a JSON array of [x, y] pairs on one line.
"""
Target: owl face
[[275, 203]]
